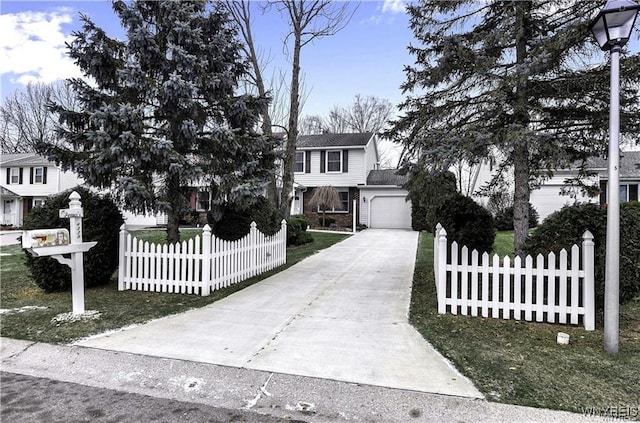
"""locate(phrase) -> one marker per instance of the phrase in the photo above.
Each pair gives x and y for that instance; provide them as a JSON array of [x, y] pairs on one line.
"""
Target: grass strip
[[32, 311], [520, 362]]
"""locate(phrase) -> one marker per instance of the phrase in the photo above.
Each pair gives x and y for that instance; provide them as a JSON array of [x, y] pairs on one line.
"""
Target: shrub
[[427, 192], [467, 223], [565, 227], [326, 221], [235, 224], [102, 221], [504, 219], [297, 231]]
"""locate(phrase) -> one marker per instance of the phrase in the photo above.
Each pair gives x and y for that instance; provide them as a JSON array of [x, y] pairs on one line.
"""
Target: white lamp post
[[612, 28]]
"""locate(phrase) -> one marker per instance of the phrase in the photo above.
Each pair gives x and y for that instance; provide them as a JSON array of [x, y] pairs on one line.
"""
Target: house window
[[343, 193], [298, 165], [628, 192], [334, 161], [14, 177], [203, 200], [38, 175], [37, 202]]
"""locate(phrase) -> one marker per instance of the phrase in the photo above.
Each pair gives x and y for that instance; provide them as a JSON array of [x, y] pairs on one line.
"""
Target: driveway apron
[[340, 314]]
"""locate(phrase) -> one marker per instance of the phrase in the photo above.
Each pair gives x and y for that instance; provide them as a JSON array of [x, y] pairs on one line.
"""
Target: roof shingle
[[334, 140], [386, 177], [629, 164]]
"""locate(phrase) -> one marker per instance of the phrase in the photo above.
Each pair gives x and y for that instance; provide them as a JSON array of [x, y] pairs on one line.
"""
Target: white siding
[[547, 199], [371, 155], [56, 181], [357, 174], [369, 193]]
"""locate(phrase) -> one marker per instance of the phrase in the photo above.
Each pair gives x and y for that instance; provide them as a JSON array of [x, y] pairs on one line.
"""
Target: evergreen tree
[[513, 77], [161, 112]]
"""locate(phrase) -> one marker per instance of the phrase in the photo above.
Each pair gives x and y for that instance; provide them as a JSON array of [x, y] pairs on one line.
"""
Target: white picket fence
[[468, 284], [200, 265]]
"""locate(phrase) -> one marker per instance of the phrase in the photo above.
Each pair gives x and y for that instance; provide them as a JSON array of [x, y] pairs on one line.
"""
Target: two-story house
[[346, 162], [26, 180]]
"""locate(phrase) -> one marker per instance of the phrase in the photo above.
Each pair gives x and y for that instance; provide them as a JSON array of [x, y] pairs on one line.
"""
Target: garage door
[[389, 212]]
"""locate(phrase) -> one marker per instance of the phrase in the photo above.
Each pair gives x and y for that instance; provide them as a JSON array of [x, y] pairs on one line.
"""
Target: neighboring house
[[548, 198], [27, 180], [349, 163]]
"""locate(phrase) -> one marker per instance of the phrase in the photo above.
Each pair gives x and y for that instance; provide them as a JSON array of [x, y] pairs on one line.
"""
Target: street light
[[612, 28]]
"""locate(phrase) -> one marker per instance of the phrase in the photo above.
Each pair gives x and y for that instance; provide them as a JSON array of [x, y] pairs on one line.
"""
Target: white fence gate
[[200, 265], [467, 284]]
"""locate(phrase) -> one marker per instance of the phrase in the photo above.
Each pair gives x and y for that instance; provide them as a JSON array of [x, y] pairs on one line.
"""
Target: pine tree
[[161, 112], [512, 77]]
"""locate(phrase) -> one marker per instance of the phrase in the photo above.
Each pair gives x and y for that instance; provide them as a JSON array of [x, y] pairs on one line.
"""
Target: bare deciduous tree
[[308, 20], [368, 114], [335, 121], [275, 87], [25, 118], [311, 125]]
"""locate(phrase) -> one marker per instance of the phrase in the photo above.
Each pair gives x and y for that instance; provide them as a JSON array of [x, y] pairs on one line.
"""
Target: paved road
[[341, 314], [229, 388], [28, 399]]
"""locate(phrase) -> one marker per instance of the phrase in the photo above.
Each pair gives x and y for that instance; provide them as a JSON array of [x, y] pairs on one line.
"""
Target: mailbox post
[[76, 248]]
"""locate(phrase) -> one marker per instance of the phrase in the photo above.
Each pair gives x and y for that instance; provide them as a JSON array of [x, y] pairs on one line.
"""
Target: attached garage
[[383, 201], [389, 212]]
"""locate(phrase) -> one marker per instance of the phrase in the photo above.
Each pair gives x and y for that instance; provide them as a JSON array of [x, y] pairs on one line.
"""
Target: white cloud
[[394, 6], [32, 47]]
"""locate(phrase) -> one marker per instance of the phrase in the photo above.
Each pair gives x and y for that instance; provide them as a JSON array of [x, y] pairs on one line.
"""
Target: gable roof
[[334, 140], [7, 193], [629, 164], [386, 177], [23, 159]]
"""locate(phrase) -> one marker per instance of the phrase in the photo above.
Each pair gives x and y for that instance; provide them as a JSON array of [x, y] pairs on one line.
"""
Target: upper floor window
[[334, 161], [38, 175], [14, 175], [298, 165]]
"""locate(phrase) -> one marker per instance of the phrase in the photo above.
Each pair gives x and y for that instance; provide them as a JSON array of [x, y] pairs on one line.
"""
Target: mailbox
[[45, 238]]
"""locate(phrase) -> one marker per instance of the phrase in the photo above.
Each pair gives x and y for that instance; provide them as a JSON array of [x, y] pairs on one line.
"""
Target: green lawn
[[503, 244], [521, 363], [117, 308]]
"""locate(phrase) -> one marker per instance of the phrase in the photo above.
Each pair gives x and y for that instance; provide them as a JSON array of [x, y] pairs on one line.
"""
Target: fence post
[[253, 242], [122, 258], [283, 242], [588, 293], [206, 261], [436, 251], [355, 204], [441, 277]]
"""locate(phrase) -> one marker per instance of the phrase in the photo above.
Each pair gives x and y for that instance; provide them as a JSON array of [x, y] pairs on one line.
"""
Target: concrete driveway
[[340, 314]]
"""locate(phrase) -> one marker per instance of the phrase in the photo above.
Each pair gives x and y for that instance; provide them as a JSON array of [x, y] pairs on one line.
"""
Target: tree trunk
[[520, 197], [175, 207], [292, 135], [521, 169]]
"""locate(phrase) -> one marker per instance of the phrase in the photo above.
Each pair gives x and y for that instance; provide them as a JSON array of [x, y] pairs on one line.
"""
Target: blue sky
[[367, 57]]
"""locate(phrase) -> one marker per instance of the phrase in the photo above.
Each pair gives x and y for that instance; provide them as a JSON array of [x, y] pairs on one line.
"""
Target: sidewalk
[[273, 394]]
